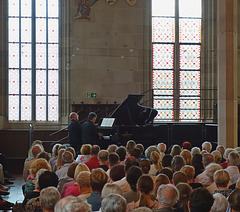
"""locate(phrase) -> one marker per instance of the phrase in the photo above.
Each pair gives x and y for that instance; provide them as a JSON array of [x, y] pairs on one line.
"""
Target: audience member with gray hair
[[48, 198], [77, 205], [62, 202], [233, 163], [220, 203], [195, 150], [167, 196], [110, 188], [162, 148], [207, 146], [114, 203]]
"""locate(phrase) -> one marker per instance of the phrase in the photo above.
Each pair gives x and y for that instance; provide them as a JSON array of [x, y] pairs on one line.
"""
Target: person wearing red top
[[93, 162]]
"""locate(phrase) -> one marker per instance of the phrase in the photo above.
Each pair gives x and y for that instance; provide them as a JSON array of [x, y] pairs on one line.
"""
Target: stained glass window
[[33, 67], [176, 59]]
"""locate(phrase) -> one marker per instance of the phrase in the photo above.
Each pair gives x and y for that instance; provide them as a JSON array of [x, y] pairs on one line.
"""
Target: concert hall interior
[[166, 71]]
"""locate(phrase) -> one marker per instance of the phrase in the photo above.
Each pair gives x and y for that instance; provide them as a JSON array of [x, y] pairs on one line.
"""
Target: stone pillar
[[227, 73]]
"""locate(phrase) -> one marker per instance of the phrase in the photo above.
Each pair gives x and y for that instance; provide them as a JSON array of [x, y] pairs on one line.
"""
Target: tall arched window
[[33, 60], [176, 41]]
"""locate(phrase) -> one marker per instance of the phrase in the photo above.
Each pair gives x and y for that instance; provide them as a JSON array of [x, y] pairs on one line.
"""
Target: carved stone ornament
[[131, 2], [111, 2]]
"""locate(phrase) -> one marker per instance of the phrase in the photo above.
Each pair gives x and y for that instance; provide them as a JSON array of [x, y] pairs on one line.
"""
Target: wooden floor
[[16, 194]]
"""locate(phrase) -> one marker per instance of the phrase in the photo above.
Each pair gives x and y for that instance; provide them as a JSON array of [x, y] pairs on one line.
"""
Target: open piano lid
[[131, 113]]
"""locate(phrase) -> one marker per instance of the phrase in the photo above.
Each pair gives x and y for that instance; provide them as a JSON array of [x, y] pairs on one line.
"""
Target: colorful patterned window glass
[[33, 60], [176, 59]]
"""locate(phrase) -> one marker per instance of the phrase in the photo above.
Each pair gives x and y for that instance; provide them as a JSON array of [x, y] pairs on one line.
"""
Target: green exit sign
[[91, 95]]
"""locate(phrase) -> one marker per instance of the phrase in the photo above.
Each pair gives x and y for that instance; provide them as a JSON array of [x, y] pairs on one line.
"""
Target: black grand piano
[[131, 121]]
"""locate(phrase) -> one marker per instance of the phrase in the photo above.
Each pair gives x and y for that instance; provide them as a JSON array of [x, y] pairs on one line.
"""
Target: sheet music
[[107, 122]]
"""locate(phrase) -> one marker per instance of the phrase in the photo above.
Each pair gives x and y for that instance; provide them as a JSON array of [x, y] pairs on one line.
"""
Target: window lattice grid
[[22, 46]]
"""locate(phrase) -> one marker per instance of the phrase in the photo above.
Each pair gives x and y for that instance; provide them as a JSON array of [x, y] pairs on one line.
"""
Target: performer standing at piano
[[74, 132], [89, 131]]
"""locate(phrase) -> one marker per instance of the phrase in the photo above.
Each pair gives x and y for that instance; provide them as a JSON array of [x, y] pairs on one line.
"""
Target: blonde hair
[[211, 169], [221, 178], [155, 159], [176, 150], [160, 180], [83, 178], [38, 164], [80, 167], [98, 178], [86, 149], [59, 158], [217, 156], [187, 155], [189, 171]]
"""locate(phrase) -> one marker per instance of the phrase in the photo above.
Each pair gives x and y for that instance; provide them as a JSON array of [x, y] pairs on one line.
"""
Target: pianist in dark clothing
[[89, 131], [74, 132]]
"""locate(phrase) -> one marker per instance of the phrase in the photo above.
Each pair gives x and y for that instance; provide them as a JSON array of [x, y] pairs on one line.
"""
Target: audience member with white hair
[[114, 203], [210, 170], [162, 148], [77, 205], [220, 203], [48, 198], [167, 196], [233, 163], [195, 150], [207, 146]]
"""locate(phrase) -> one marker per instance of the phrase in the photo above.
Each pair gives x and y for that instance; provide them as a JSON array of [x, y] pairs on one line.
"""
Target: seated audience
[[122, 152], [76, 204], [221, 179], [176, 150], [177, 163], [185, 192], [141, 147], [187, 155], [167, 172], [142, 209], [221, 149], [44, 155], [233, 161], [167, 196], [149, 150], [103, 159], [59, 207], [187, 145], [200, 200], [136, 153], [98, 178], [130, 146], [83, 181], [145, 165], [70, 173], [234, 200], [74, 189], [53, 158], [226, 153], [195, 150], [190, 172], [114, 203], [34, 152], [112, 148], [46, 180], [59, 163], [217, 156], [48, 198], [85, 153], [133, 174], [197, 164], [110, 188], [161, 179], [93, 162], [117, 172], [210, 170], [166, 161], [207, 146], [179, 177], [162, 148], [156, 164], [36, 165], [145, 185], [113, 159], [202, 178], [220, 203]]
